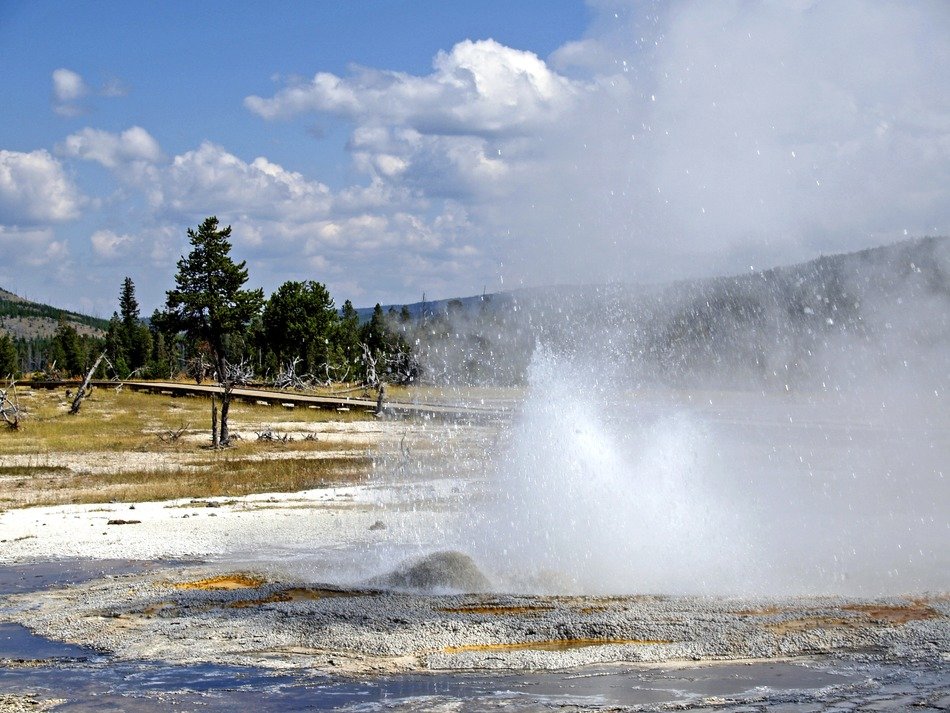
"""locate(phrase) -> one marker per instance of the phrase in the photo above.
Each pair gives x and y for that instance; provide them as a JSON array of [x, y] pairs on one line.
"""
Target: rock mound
[[439, 571]]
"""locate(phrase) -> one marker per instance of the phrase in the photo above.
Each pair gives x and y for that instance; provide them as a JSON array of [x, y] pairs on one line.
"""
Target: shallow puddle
[[102, 684], [18, 644], [36, 576]]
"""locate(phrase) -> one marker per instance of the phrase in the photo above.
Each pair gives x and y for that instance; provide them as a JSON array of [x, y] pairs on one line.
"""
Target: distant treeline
[[831, 322], [299, 335], [814, 325]]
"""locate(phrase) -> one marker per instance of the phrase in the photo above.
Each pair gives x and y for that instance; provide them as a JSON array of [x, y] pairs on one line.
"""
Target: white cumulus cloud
[[112, 150], [108, 245], [33, 247], [35, 190], [671, 139], [69, 88], [478, 87], [210, 179]]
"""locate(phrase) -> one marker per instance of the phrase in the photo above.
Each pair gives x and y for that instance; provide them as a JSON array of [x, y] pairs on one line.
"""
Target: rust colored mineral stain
[[294, 594], [224, 581], [886, 614], [894, 614], [553, 645], [498, 609], [795, 626]]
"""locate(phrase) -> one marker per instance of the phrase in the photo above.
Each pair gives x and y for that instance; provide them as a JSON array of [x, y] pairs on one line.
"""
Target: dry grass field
[[132, 447]]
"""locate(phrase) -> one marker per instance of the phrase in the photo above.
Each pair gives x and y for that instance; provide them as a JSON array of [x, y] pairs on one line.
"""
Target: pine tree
[[347, 340], [208, 302], [9, 358], [300, 320], [67, 349], [116, 346], [128, 305]]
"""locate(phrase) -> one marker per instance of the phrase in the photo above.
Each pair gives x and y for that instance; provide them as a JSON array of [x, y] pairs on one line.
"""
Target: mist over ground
[[875, 319], [778, 432]]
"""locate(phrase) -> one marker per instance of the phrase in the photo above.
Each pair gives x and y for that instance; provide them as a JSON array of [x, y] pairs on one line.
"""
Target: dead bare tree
[[342, 378], [333, 374], [403, 366], [85, 389], [114, 374], [51, 373], [369, 366], [10, 407], [197, 368], [173, 436], [240, 374], [119, 382], [273, 437], [287, 378], [327, 378]]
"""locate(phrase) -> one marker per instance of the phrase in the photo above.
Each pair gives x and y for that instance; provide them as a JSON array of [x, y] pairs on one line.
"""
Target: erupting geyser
[[708, 492], [781, 432], [593, 504]]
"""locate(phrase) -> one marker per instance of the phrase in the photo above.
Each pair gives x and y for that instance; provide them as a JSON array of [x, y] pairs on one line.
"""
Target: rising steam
[[775, 434]]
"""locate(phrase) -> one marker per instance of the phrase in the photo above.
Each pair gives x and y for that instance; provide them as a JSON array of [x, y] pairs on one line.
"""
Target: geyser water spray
[[592, 495], [602, 491]]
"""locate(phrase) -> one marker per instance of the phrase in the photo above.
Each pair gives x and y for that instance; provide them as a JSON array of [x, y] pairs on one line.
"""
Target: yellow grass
[[227, 478], [115, 421], [117, 430]]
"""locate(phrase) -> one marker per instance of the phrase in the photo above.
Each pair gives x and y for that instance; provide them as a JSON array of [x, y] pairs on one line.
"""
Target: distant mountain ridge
[[677, 322], [833, 321], [904, 252], [26, 319]]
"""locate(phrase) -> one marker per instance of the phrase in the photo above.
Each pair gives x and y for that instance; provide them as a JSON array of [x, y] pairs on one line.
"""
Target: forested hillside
[[25, 319], [827, 322]]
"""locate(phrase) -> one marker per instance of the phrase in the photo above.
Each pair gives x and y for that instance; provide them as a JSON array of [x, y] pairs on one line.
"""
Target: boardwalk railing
[[291, 399]]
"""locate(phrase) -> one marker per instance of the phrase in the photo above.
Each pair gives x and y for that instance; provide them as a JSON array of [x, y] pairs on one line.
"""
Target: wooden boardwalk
[[292, 399]]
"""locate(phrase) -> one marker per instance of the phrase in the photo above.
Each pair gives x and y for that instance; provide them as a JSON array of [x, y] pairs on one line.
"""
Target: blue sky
[[394, 148]]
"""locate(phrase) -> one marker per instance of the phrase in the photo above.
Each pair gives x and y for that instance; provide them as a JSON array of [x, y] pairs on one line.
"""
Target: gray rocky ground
[[611, 653]]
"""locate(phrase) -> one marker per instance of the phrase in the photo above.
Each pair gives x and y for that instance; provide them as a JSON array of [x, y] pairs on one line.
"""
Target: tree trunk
[[10, 408], [223, 379], [225, 406], [84, 389], [214, 422]]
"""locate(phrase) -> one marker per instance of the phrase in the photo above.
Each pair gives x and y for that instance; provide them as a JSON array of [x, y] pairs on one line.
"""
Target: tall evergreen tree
[[209, 302], [347, 341], [373, 332], [300, 321], [128, 340], [67, 349], [163, 361], [9, 358], [128, 305], [117, 345]]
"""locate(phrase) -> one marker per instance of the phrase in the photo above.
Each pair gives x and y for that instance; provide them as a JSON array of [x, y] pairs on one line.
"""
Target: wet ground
[[34, 669], [87, 681]]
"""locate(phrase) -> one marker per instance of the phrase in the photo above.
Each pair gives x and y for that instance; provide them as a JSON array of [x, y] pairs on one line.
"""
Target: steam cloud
[[776, 433]]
